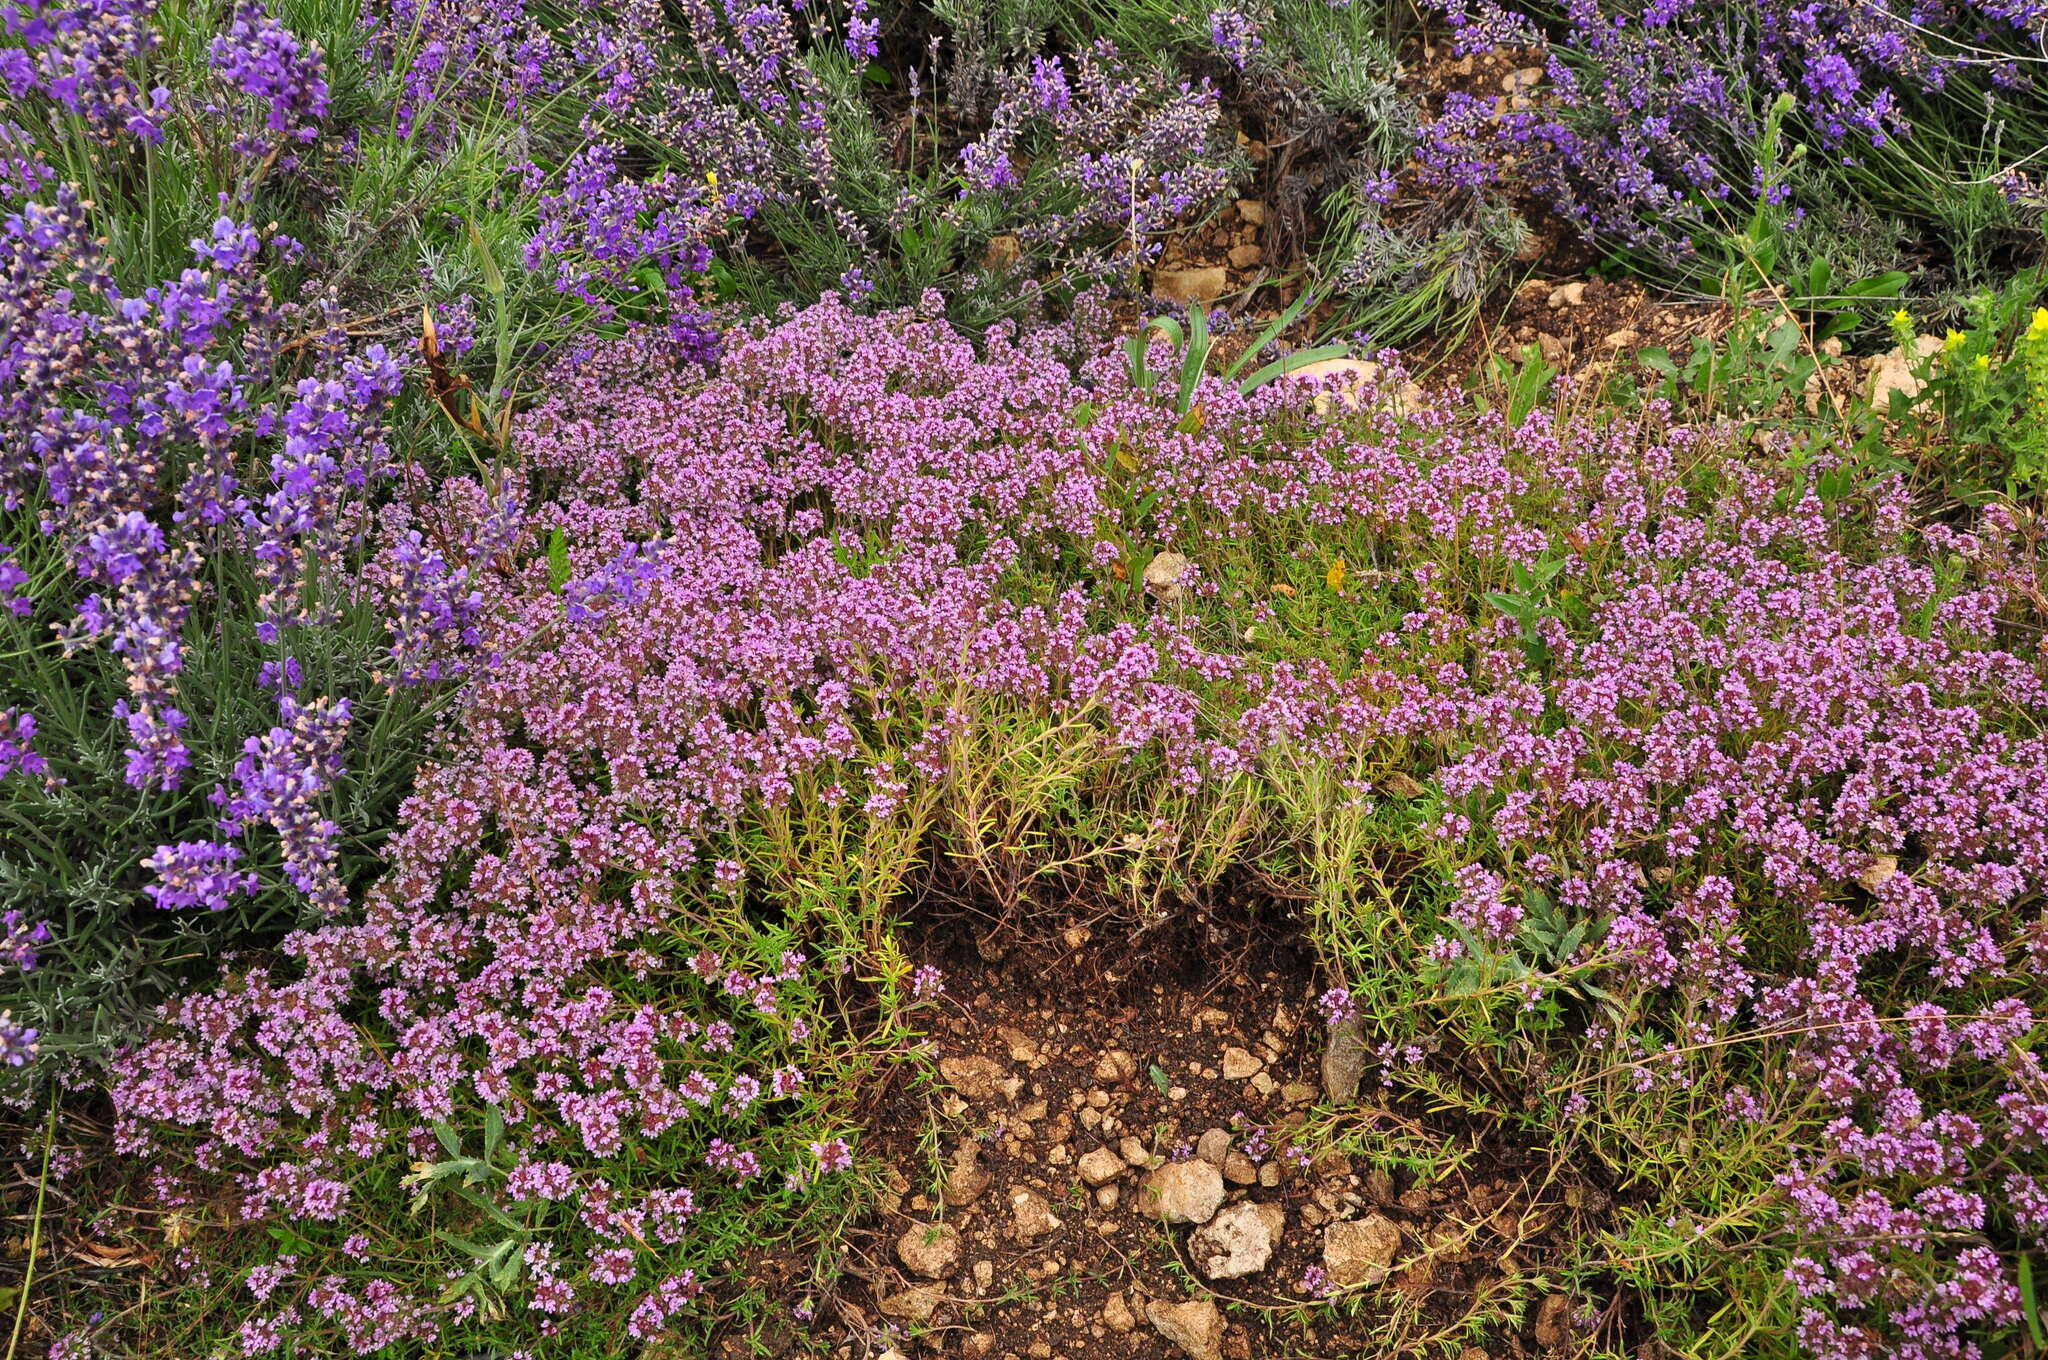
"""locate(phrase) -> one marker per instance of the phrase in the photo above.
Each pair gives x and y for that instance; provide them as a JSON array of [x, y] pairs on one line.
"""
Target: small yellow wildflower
[[1902, 317], [1983, 361], [1954, 341], [2039, 330], [711, 178]]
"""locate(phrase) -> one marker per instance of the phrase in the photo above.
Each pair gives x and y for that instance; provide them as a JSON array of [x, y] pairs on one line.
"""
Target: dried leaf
[[108, 1257], [1401, 785], [1880, 868]]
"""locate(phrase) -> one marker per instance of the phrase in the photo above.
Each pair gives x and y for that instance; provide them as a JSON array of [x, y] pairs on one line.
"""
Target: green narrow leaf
[[558, 560], [494, 281], [1273, 330], [1141, 375], [447, 1138], [496, 1215], [458, 1287], [480, 1252], [1287, 363], [2029, 1302], [1886, 285], [1194, 358]]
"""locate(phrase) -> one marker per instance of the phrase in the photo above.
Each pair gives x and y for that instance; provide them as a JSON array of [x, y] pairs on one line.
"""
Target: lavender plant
[[155, 572], [220, 651], [1650, 128]]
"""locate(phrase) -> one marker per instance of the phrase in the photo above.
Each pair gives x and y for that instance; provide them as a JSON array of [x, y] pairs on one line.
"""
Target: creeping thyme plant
[[530, 534], [1728, 801]]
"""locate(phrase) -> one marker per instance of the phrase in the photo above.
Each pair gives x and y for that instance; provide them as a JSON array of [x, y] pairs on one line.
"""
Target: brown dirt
[[1577, 322], [1078, 1046]]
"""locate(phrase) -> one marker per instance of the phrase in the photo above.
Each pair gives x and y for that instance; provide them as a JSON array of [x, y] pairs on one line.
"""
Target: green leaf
[[447, 1138], [1887, 285], [494, 280], [289, 1239], [1273, 330], [2029, 1302], [1569, 945], [481, 1253], [494, 1132], [493, 1212], [459, 1287], [1142, 377], [558, 560], [1160, 1079], [1287, 363]]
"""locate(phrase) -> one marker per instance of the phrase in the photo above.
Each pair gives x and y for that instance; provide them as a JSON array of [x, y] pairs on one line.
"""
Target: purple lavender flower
[[1235, 34], [197, 874], [287, 80], [17, 745], [19, 941]]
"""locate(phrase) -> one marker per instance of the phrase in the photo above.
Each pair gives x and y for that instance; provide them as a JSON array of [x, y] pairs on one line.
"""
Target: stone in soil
[[965, 1178], [1239, 1064], [1344, 1059], [915, 1304], [1202, 283], [1553, 1321], [1033, 1217], [1116, 1066], [1237, 1242], [1360, 1251], [1100, 1166], [1163, 576], [1196, 1328], [1117, 1315], [929, 1249], [1213, 1146], [974, 1076], [1183, 1192]]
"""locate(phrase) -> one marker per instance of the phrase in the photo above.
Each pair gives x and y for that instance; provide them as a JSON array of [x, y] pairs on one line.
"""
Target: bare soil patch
[[1084, 1087]]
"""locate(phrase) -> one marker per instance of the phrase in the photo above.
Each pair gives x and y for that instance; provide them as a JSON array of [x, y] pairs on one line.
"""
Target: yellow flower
[[2039, 330], [711, 178], [1902, 317], [1954, 341], [1334, 578], [1983, 361]]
